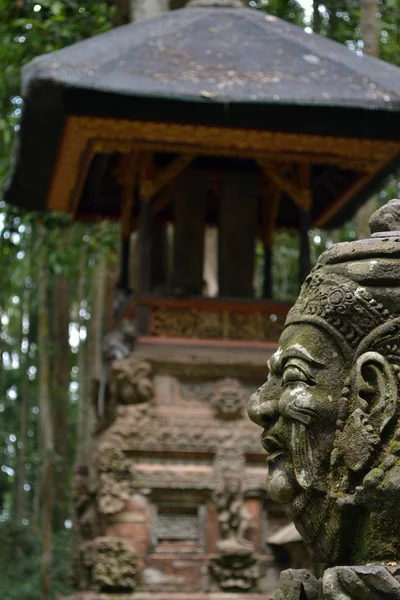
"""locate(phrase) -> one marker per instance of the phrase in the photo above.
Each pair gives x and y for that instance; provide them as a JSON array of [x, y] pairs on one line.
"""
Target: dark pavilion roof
[[230, 67], [234, 55]]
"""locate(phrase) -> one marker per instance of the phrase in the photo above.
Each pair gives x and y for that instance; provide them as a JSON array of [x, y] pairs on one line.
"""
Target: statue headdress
[[355, 287]]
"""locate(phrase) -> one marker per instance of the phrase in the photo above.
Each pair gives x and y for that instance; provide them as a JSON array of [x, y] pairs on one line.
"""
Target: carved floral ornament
[[330, 413]]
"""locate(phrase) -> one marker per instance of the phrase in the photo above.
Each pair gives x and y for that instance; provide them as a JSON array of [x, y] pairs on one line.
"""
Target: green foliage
[[29, 28], [20, 555], [340, 20], [289, 10]]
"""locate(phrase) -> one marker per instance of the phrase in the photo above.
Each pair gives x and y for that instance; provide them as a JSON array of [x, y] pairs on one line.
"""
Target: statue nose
[[263, 408]]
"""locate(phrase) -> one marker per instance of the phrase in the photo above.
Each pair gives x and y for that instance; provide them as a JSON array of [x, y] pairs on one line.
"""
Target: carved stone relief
[[116, 479], [130, 381], [106, 564], [236, 568], [235, 572], [143, 449], [84, 502], [330, 412], [228, 398]]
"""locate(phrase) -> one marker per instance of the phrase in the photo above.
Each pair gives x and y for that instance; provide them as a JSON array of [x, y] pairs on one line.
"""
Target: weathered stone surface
[[330, 412], [228, 398], [361, 583], [235, 572], [297, 584], [130, 381], [106, 564], [178, 474]]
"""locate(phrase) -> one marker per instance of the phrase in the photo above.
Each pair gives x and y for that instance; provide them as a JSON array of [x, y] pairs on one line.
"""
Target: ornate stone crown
[[355, 286], [339, 305]]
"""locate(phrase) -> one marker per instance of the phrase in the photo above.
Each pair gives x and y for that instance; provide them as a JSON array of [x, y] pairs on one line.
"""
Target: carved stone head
[[330, 407]]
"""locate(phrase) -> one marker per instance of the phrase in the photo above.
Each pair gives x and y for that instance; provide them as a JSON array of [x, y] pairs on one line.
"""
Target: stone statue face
[[298, 408], [330, 408]]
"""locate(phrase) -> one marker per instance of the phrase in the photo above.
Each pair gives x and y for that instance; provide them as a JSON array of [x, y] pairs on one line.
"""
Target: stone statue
[[234, 520], [330, 414], [235, 568]]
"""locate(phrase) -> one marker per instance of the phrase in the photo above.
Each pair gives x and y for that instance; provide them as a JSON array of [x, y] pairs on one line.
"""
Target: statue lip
[[272, 446]]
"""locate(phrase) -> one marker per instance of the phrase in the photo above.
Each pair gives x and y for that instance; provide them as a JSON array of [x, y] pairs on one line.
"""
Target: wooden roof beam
[[300, 196]]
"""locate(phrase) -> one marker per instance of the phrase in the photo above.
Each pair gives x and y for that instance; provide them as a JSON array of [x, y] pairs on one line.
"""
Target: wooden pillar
[[158, 259], [123, 282], [270, 210], [305, 259], [210, 270], [304, 177], [127, 177], [189, 200], [267, 272], [145, 230], [145, 245], [237, 234]]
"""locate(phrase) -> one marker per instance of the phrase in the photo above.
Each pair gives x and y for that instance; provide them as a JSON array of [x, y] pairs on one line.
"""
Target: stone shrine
[[172, 500], [330, 414]]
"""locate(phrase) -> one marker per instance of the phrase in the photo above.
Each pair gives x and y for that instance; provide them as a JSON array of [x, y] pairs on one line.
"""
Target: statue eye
[[293, 374]]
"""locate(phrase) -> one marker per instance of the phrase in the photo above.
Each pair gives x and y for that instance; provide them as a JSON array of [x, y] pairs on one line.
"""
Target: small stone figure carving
[[236, 568], [235, 522], [228, 398], [330, 412], [130, 381]]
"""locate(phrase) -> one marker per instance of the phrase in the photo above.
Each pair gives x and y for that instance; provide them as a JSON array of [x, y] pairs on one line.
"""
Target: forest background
[[50, 349]]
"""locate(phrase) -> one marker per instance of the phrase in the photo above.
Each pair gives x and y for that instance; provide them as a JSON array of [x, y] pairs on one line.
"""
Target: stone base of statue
[[371, 582]]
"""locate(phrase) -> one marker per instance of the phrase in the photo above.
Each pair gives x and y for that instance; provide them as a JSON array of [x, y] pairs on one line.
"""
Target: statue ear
[[375, 388]]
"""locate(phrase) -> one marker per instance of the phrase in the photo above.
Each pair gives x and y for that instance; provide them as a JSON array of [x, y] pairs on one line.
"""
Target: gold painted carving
[[93, 135], [225, 324]]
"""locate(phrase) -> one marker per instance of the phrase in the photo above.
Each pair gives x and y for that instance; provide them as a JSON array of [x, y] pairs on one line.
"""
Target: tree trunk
[[21, 458], [20, 505], [46, 421], [316, 20], [370, 26], [60, 397], [96, 375], [370, 34], [83, 431], [144, 9], [122, 12]]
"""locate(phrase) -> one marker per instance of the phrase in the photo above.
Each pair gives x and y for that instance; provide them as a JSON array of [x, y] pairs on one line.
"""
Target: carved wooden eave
[[318, 121], [279, 155]]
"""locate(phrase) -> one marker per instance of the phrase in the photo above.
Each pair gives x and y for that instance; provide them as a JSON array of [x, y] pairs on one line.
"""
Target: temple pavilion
[[217, 117], [206, 116]]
